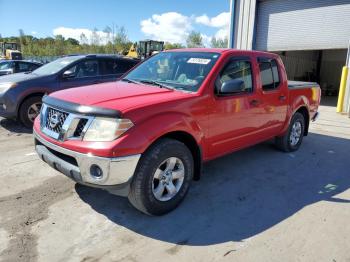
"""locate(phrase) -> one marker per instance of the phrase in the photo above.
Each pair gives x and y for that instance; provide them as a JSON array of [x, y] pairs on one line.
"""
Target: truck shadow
[[242, 194]]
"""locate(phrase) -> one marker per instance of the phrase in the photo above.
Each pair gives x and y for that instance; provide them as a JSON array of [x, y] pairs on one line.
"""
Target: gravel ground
[[258, 204]]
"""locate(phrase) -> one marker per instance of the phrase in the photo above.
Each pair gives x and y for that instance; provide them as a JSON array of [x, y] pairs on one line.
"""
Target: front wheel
[[162, 178], [293, 138], [29, 110]]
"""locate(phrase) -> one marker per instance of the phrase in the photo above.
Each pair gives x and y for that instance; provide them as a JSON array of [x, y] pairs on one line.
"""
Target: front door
[[235, 119], [83, 73]]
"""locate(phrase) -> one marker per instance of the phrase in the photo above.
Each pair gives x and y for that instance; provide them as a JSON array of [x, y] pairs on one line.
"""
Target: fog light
[[96, 172], [3, 106]]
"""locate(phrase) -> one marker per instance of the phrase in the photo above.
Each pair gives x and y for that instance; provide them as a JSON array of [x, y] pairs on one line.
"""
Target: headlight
[[7, 85], [106, 129]]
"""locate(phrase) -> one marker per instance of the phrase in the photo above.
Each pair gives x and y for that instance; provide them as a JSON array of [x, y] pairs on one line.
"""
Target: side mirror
[[232, 87], [68, 74]]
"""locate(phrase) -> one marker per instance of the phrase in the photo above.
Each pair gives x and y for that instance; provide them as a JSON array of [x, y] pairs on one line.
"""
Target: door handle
[[282, 98], [254, 102]]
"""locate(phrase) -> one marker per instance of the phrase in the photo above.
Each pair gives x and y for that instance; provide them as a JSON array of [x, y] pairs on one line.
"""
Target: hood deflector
[[81, 109]]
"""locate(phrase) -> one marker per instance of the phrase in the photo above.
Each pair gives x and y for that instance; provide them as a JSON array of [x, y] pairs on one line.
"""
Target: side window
[[269, 74], [33, 67], [237, 70], [123, 66], [23, 67], [108, 67], [87, 68], [113, 66]]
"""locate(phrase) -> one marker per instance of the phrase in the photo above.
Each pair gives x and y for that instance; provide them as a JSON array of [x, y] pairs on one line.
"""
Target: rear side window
[[33, 67], [24, 67], [270, 79], [237, 70], [114, 66]]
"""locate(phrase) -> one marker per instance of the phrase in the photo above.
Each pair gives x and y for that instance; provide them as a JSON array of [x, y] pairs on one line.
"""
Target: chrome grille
[[62, 125], [59, 115], [80, 127]]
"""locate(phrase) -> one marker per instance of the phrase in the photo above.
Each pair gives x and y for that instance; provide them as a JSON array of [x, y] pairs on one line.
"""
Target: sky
[[164, 20]]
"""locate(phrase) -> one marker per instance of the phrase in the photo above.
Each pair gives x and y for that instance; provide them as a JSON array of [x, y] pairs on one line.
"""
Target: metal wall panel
[[302, 25]]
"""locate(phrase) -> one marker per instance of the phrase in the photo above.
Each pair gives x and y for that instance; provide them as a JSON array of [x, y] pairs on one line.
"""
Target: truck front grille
[[62, 125], [55, 119]]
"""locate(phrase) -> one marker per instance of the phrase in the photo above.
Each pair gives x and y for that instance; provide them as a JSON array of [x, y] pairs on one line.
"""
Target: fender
[[298, 102], [137, 140]]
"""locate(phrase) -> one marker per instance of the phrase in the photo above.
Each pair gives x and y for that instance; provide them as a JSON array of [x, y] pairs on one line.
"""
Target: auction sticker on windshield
[[201, 61]]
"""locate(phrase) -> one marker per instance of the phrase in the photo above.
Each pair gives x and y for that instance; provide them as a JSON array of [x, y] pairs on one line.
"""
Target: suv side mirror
[[232, 87], [68, 74]]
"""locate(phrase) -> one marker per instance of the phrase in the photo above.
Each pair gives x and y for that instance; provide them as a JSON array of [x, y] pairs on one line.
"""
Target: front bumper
[[117, 172]]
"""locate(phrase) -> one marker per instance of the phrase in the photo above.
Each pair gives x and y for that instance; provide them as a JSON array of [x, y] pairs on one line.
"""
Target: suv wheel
[[29, 110], [162, 178], [291, 141]]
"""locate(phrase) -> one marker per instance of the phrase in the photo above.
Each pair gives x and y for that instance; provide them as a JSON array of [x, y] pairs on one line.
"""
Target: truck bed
[[300, 84]]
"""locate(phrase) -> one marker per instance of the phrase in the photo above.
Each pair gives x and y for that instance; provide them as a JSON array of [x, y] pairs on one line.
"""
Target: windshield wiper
[[155, 83], [130, 81]]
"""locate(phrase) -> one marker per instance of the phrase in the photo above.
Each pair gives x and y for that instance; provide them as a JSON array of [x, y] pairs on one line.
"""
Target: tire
[[144, 188], [286, 142], [26, 110]]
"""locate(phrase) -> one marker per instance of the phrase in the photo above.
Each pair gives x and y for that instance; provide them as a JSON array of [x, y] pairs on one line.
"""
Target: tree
[[72, 41], [168, 46], [83, 39], [219, 42], [194, 39], [108, 32], [121, 41], [95, 38]]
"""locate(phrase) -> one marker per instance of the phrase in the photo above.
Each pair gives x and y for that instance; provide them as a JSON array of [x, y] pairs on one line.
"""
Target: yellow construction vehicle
[[146, 48], [10, 51]]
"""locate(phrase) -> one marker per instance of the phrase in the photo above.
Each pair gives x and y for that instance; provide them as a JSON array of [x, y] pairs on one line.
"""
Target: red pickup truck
[[147, 135]]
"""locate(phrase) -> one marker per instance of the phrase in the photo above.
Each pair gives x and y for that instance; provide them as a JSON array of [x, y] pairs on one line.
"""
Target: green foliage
[[194, 39], [168, 46], [116, 41], [219, 43]]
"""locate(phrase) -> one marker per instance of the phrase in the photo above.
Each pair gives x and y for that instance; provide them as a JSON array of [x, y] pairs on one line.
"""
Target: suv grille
[[55, 119]]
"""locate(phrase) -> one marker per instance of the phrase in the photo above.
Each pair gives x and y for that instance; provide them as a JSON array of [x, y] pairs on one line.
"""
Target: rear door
[[274, 94], [85, 72]]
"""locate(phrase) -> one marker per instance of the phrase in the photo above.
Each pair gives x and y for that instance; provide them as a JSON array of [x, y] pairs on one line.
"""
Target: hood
[[118, 95], [20, 77]]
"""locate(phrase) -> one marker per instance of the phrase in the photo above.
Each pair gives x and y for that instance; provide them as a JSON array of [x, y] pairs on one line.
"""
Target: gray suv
[[21, 94]]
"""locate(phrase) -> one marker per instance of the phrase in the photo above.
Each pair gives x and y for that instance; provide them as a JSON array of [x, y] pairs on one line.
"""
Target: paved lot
[[254, 205]]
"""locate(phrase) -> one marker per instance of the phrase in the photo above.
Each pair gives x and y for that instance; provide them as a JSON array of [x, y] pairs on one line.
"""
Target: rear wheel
[[162, 178], [293, 138], [29, 110]]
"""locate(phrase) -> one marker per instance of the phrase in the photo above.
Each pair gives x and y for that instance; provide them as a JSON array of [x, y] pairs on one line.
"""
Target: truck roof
[[219, 50]]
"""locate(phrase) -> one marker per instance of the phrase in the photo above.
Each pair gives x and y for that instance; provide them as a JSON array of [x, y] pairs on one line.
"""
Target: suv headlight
[[6, 85], [106, 129]]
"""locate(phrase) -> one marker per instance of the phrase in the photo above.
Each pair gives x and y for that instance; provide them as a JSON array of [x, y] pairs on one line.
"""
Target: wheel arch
[[27, 97], [192, 145], [305, 112]]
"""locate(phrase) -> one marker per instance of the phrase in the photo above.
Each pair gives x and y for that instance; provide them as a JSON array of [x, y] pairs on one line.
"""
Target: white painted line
[[31, 154]]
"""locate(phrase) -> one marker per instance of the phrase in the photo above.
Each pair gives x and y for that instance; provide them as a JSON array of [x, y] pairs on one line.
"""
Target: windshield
[[178, 70], [55, 66]]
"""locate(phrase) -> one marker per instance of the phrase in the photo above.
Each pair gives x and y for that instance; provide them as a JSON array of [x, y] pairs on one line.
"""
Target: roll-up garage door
[[302, 25]]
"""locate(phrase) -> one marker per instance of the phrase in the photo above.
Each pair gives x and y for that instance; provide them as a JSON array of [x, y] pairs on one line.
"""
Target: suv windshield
[[55, 66], [178, 70]]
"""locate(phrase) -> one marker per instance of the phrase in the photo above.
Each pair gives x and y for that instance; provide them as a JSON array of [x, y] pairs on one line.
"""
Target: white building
[[312, 36]]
